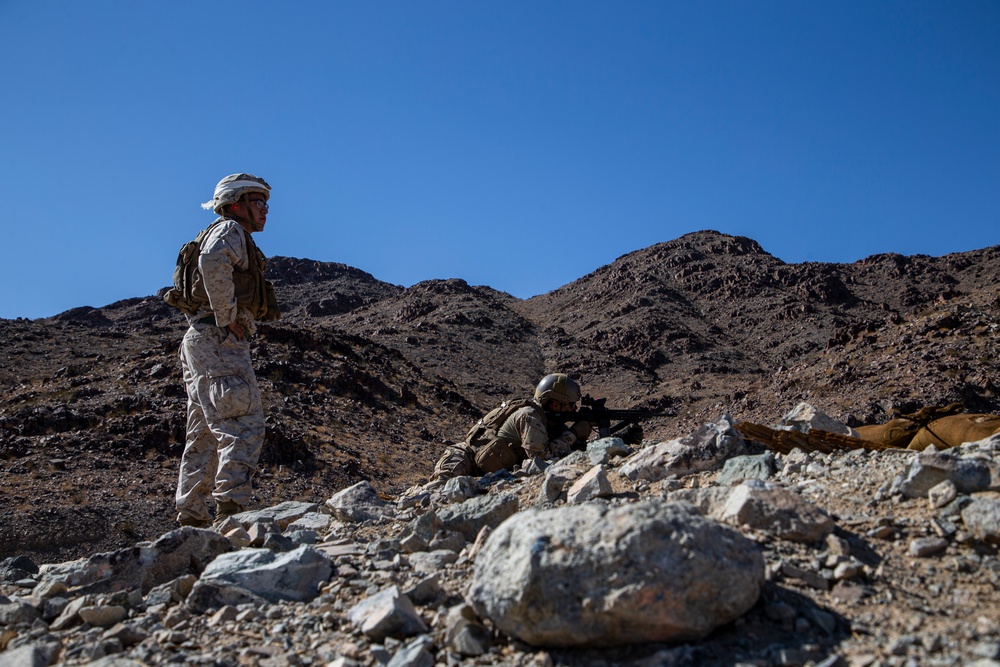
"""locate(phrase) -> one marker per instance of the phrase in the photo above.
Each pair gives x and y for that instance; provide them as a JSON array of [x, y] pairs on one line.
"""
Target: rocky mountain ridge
[[363, 379], [367, 381]]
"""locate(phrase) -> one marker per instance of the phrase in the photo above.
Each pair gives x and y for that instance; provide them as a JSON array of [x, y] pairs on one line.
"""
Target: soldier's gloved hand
[[582, 430]]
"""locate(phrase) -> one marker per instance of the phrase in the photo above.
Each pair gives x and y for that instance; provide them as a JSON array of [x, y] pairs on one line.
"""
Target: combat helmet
[[232, 187], [557, 387]]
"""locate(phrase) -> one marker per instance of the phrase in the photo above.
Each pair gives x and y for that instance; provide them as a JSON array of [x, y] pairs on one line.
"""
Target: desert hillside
[[364, 380]]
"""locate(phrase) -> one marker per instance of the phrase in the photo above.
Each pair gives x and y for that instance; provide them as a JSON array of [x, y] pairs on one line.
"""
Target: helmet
[[234, 186], [557, 387]]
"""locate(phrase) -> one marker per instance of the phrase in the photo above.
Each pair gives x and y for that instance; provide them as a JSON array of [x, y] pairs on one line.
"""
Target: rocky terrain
[[366, 382]]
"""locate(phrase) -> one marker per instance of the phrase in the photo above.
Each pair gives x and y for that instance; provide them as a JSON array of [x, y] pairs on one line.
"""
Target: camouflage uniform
[[225, 417], [526, 433]]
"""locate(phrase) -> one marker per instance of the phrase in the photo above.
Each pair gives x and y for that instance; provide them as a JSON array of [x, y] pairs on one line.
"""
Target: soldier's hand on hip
[[236, 329]]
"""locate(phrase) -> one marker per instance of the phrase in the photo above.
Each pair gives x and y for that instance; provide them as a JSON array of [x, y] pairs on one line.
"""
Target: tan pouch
[[498, 455]]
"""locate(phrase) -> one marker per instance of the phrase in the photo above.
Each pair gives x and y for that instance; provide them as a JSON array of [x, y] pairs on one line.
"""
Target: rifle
[[592, 410]]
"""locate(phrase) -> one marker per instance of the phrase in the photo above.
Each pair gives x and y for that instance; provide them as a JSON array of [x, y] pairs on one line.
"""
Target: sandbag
[[899, 432], [955, 430], [894, 433]]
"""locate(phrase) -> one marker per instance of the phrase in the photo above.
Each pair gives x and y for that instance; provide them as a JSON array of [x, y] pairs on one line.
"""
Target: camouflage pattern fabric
[[498, 455], [223, 249], [528, 429], [225, 416], [225, 421], [525, 434], [457, 461]]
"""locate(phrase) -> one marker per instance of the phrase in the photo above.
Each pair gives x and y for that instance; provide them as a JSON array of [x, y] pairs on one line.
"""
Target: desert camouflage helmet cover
[[557, 387], [234, 186]]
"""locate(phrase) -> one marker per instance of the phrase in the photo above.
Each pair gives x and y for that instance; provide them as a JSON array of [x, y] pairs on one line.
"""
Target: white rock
[[293, 575], [387, 614], [705, 449], [359, 502], [941, 494], [775, 510], [587, 575], [594, 484], [805, 417]]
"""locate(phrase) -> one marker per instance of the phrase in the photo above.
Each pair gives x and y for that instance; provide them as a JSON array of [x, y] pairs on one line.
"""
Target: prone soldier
[[517, 430]]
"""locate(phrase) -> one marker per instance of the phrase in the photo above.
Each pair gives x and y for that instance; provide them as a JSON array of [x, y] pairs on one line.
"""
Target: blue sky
[[515, 144]]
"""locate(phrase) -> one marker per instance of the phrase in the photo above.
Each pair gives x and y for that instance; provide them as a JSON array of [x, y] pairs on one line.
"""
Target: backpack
[[252, 290], [182, 294], [486, 428]]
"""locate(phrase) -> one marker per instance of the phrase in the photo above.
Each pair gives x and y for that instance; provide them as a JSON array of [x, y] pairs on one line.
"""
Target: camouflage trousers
[[462, 459], [225, 421]]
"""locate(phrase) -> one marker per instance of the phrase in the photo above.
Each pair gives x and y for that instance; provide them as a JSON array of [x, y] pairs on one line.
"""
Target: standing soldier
[[223, 293]]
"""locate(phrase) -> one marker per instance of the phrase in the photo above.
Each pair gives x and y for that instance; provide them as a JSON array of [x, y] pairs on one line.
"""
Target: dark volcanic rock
[[364, 380]]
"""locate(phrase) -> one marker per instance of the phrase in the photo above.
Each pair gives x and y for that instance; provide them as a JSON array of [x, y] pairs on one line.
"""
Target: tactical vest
[[486, 429], [252, 290]]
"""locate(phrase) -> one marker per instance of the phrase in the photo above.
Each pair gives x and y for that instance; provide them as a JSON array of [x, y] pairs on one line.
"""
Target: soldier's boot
[[225, 509]]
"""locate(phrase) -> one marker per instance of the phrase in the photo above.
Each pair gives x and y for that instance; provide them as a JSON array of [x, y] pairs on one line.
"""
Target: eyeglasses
[[260, 204]]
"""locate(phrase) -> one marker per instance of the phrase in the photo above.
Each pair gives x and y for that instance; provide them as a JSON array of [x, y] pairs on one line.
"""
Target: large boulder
[[282, 514], [358, 503], [590, 575], [775, 510], [471, 516], [927, 470], [182, 551], [294, 575], [707, 448]]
